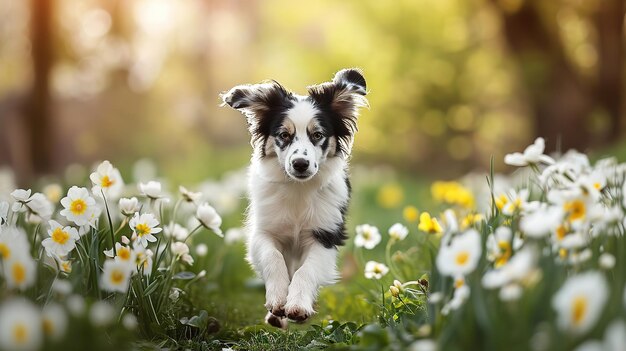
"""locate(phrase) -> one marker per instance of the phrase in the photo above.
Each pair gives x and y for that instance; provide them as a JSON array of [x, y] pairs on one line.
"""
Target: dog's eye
[[317, 136], [284, 135]]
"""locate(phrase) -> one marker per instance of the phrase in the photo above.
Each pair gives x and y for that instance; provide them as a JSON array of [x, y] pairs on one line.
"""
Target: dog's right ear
[[257, 99]]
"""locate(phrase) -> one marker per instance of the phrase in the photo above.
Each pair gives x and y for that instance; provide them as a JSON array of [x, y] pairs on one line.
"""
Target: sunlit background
[[452, 82]]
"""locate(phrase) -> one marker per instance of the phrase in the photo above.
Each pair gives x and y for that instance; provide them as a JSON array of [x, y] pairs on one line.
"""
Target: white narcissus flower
[[398, 231], [124, 254], [177, 231], [461, 255], [115, 276], [53, 192], [129, 321], [516, 203], [79, 207], [202, 250], [533, 154], [129, 207], [62, 240], [580, 302], [520, 266], [20, 270], [54, 321], [367, 236], [179, 248], [606, 261], [37, 204], [144, 226], [143, 258], [20, 326], [541, 222], [375, 270], [107, 179], [13, 241], [151, 189], [189, 196], [209, 218]]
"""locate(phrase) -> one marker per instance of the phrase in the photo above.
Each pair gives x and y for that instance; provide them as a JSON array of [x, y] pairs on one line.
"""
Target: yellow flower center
[[459, 283], [20, 333], [143, 229], [501, 201], [117, 277], [378, 269], [78, 207], [367, 235], [48, 326], [5, 252], [462, 258], [505, 247], [19, 272], [59, 236], [579, 309], [597, 185], [66, 267], [576, 209], [106, 182], [561, 231], [124, 253]]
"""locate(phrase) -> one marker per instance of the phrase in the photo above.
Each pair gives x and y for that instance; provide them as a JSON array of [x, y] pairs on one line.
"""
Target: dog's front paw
[[299, 313], [276, 304]]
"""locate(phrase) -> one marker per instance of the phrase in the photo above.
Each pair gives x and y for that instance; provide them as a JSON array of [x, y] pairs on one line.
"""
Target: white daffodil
[[13, 241], [181, 251], [20, 326], [580, 302], [125, 254], [541, 222], [79, 207], [460, 295], [367, 236], [520, 266], [20, 270], [129, 207], [500, 246], [606, 261], [144, 226], [115, 276], [398, 231], [129, 321], [151, 189], [21, 197], [54, 320], [177, 232], [533, 154], [209, 218], [143, 258], [106, 179], [37, 205], [62, 240], [189, 196], [459, 255], [375, 270], [516, 202]]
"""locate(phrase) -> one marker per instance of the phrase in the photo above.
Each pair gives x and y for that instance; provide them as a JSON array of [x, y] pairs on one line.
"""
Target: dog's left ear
[[342, 99]]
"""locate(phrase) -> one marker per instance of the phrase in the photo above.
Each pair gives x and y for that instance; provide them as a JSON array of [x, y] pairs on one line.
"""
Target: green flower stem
[[195, 230], [392, 266], [106, 205]]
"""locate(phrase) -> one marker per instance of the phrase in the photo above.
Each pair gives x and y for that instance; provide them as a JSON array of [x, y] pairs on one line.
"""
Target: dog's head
[[301, 132]]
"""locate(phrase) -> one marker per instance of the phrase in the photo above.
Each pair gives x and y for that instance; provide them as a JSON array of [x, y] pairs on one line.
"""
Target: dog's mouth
[[301, 177]]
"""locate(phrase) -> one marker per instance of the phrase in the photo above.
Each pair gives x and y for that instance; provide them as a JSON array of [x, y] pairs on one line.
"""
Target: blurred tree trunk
[[38, 113], [561, 100]]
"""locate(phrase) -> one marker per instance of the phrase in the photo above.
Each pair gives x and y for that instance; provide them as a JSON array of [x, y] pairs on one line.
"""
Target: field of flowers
[[530, 261]]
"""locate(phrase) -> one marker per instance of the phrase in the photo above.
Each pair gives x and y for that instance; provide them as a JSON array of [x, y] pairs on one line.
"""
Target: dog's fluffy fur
[[298, 185]]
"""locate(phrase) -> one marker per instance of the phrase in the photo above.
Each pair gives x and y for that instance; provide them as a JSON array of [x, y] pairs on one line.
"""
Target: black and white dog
[[298, 185]]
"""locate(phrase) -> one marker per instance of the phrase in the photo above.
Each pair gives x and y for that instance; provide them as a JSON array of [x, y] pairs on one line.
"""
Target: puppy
[[298, 185]]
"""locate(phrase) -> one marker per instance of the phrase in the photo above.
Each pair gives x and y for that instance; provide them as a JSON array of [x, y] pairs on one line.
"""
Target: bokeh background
[[452, 82]]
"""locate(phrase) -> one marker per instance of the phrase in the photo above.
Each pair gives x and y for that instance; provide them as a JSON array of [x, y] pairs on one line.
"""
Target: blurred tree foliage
[[451, 82]]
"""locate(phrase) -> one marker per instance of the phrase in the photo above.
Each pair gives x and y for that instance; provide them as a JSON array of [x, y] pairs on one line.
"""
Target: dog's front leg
[[317, 269], [270, 264]]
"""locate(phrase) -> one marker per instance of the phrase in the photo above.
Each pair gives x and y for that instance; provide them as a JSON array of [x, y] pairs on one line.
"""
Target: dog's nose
[[300, 164]]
